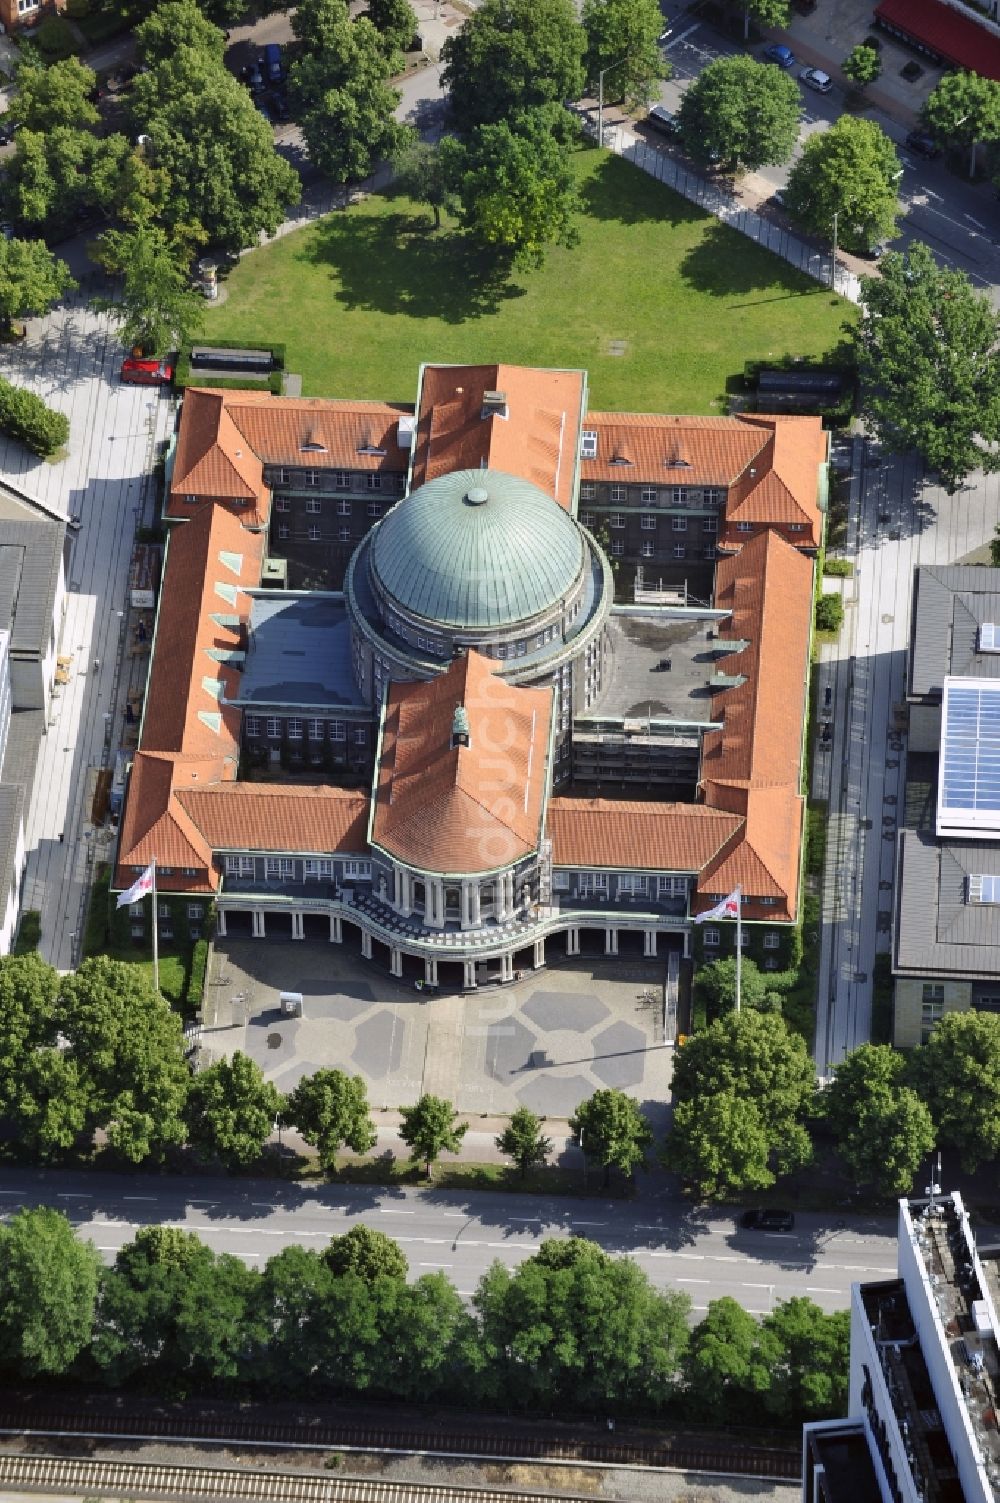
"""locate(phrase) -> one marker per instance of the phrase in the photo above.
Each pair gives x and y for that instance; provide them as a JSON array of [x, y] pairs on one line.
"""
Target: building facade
[[423, 759]]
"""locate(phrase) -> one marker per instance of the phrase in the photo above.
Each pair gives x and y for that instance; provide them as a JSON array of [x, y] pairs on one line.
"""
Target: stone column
[[506, 967], [469, 979], [406, 906], [336, 929], [220, 922], [396, 962], [539, 960], [298, 929], [611, 941], [649, 942], [434, 916], [572, 941], [366, 944], [430, 970], [509, 904], [397, 889], [259, 924], [687, 944], [475, 909], [466, 910]]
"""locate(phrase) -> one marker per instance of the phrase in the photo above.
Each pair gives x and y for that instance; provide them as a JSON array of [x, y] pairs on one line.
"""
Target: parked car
[[778, 198], [924, 145], [8, 129], [662, 120], [271, 61], [780, 54], [253, 76], [138, 371], [761, 1220], [815, 78]]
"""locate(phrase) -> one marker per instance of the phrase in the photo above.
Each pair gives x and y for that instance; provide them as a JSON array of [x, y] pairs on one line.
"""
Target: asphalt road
[[705, 1254]]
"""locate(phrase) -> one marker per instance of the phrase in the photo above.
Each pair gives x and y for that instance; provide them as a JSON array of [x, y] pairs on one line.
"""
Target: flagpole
[[156, 945], [739, 945]]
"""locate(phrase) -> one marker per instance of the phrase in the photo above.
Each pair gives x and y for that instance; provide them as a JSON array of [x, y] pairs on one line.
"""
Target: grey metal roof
[[30, 556], [12, 801], [477, 548], [299, 652], [950, 604], [938, 931]]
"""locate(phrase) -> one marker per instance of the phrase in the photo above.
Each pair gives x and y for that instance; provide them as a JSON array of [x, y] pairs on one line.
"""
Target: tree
[[56, 95], [230, 1111], [158, 308], [962, 109], [215, 147], [289, 1316], [174, 24], [511, 56], [766, 13], [174, 1310], [517, 189], [743, 1089], [28, 989], [128, 1047], [929, 365], [430, 1129], [421, 1355], [523, 1141], [716, 983], [883, 1129], [741, 115], [957, 1073], [368, 1254], [612, 1130], [330, 1110], [343, 101], [849, 171], [396, 23], [808, 1353], [725, 1366], [322, 26], [573, 1325], [622, 40], [862, 65], [422, 174], [52, 1107], [48, 1287]]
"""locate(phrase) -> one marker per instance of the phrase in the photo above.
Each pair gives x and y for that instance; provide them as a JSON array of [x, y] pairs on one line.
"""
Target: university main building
[[392, 698]]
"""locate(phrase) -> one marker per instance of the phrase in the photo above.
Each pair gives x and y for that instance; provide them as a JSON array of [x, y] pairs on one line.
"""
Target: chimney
[[460, 728], [494, 404]]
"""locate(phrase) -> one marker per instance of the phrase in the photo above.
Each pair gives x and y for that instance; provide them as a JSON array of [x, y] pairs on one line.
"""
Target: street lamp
[[833, 263]]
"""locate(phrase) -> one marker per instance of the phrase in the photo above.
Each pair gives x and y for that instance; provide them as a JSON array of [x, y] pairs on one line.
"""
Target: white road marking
[[63, 1195], [675, 41], [590, 1223], [388, 1211], [818, 1289], [976, 222], [140, 1197], [693, 1281]]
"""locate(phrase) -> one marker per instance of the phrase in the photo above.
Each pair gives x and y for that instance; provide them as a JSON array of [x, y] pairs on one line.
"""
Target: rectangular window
[[933, 991], [771, 940], [274, 727], [295, 730], [679, 524], [618, 519], [648, 494], [744, 527], [314, 505], [930, 1014], [284, 531], [338, 731], [647, 523], [315, 729], [796, 527], [617, 548], [310, 477], [680, 551], [360, 736], [239, 866], [167, 871], [357, 868], [588, 444], [710, 526], [374, 508], [341, 480], [711, 938], [282, 503], [343, 508], [135, 909], [373, 482], [278, 867], [195, 910], [252, 724], [708, 551], [138, 930], [588, 518], [678, 495], [647, 550], [714, 495], [281, 476], [319, 869], [163, 909], [619, 493], [767, 902], [343, 534], [588, 491], [314, 533]]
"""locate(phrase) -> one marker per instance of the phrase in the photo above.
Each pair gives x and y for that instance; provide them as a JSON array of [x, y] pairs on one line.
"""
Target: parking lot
[[546, 1042]]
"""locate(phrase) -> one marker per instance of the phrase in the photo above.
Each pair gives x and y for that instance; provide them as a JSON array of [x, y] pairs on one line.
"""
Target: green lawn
[[361, 297]]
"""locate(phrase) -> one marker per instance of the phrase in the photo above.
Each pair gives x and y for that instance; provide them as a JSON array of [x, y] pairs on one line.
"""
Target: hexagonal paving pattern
[[619, 1055], [378, 1044], [508, 1049], [336, 1009], [554, 1095], [557, 1010]]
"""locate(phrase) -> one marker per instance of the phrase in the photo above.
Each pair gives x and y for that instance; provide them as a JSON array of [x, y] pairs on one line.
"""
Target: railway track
[[678, 1451]]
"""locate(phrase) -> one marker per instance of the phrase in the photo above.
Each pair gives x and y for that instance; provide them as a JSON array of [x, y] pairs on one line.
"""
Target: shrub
[[829, 613], [55, 40], [25, 417], [839, 568], [29, 932], [196, 982], [77, 9]]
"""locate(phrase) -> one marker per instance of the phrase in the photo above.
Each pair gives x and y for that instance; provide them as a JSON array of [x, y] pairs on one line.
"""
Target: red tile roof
[[467, 808], [956, 36], [538, 441], [278, 817], [601, 832]]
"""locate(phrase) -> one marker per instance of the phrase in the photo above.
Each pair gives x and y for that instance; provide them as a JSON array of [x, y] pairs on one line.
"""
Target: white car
[[815, 78]]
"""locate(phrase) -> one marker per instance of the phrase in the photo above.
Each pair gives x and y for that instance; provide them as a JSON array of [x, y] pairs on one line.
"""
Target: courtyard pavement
[[546, 1042]]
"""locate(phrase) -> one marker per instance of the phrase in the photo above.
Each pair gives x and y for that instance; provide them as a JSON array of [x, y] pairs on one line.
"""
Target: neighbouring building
[[924, 1374], [946, 932], [447, 741], [950, 33], [17, 14]]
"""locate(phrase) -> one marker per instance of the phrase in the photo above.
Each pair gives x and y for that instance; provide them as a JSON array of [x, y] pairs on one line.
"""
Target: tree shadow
[[620, 192], [398, 264], [725, 263]]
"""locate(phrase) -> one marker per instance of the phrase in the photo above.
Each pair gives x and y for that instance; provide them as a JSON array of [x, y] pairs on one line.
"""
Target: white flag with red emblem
[[729, 908], [139, 888]]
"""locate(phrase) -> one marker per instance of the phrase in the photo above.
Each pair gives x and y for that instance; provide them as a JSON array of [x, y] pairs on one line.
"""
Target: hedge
[[54, 38], [196, 980], [838, 568], [829, 613], [29, 932], [25, 417], [184, 376]]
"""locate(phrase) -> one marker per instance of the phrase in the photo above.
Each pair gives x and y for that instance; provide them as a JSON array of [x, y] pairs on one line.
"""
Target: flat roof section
[[848, 1469], [299, 653], [956, 37], [663, 668]]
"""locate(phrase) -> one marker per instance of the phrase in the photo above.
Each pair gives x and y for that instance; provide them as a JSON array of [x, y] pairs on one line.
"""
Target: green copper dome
[[477, 548]]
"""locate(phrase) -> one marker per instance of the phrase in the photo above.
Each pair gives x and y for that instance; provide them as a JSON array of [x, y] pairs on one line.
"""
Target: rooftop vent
[[677, 461], [588, 444], [312, 444], [621, 456], [405, 431], [477, 495], [460, 734], [494, 404]]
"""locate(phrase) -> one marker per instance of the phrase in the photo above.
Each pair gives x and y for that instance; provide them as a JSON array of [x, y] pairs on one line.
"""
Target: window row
[[650, 550], [314, 533], [314, 506], [282, 868], [711, 938], [194, 910], [276, 726], [340, 480], [647, 523], [627, 882], [651, 495]]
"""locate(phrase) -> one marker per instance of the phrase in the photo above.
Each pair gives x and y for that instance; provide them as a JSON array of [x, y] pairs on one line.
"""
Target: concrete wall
[[925, 728], [907, 1017], [10, 902]]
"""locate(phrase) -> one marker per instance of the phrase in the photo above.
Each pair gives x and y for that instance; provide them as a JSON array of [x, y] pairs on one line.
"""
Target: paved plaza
[[545, 1042]]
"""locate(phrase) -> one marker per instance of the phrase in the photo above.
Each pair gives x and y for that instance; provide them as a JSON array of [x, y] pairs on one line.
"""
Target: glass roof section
[[969, 780]]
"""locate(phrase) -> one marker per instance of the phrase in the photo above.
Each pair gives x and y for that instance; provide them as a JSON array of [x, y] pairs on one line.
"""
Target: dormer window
[[588, 444], [494, 404], [989, 637], [984, 888], [620, 459], [312, 443]]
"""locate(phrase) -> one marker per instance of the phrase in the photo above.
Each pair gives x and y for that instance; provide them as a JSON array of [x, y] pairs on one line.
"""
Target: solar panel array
[[970, 774]]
